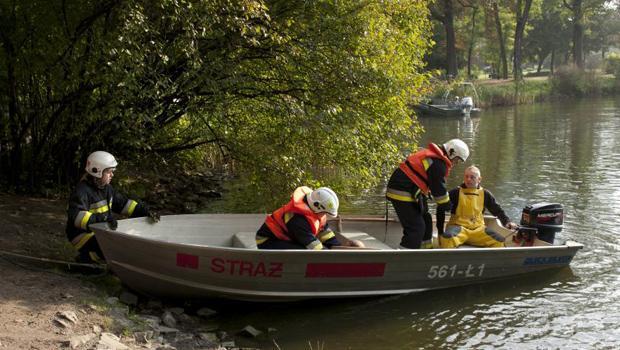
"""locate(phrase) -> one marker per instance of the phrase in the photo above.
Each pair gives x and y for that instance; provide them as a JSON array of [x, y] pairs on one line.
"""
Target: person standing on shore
[[92, 201]]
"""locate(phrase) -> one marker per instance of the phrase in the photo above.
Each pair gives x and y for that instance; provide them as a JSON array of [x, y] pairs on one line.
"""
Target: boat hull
[[440, 110], [193, 256]]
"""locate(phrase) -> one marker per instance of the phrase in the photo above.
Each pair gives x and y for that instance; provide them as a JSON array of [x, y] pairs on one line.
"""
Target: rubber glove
[[112, 223], [154, 216]]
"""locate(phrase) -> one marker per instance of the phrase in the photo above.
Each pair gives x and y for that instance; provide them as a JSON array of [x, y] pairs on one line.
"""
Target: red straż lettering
[[247, 268]]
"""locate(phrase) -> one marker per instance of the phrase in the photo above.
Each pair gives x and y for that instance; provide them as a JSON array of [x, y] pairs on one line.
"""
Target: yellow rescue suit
[[466, 225]]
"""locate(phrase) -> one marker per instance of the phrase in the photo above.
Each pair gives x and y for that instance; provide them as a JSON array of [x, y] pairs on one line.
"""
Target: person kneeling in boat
[[92, 201], [302, 222], [466, 224]]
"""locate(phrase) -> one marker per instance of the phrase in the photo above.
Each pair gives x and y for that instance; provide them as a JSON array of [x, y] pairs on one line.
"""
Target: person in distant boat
[[302, 222], [466, 224], [92, 201], [423, 173]]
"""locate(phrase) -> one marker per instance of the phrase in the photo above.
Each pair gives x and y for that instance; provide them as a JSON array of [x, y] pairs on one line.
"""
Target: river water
[[565, 152]]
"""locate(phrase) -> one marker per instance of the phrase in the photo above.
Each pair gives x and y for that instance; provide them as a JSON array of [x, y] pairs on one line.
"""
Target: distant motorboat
[[452, 105]]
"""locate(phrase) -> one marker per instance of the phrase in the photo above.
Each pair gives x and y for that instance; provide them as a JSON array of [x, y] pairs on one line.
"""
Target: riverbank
[[42, 307], [564, 84]]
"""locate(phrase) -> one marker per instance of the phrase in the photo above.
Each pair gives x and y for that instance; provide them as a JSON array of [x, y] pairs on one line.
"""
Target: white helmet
[[323, 200], [98, 161], [456, 148]]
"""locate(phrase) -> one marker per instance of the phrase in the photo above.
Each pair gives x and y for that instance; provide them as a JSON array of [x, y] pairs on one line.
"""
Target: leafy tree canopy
[[295, 92]]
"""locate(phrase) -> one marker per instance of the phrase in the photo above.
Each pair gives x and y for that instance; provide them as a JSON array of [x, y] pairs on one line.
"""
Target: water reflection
[[456, 317], [556, 152]]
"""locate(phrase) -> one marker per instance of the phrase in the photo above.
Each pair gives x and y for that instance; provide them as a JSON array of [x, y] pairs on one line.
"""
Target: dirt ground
[[31, 297]]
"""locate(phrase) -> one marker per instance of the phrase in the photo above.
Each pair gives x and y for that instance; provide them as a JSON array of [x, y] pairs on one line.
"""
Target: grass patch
[[566, 82], [511, 93]]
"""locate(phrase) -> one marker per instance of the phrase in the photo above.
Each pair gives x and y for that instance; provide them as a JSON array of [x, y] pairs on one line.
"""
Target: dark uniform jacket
[[300, 231], [89, 204], [437, 186]]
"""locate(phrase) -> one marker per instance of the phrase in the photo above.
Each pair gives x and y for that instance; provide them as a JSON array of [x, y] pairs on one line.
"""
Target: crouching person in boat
[[466, 224], [423, 173], [302, 222], [92, 201]]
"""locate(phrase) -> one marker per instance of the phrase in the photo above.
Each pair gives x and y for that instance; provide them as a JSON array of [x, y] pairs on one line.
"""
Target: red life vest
[[414, 167], [297, 205]]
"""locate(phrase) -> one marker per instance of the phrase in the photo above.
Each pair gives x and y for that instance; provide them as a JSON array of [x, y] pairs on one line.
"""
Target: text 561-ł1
[[451, 271]]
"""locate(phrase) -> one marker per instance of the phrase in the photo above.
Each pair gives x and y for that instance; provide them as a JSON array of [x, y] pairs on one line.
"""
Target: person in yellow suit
[[466, 224]]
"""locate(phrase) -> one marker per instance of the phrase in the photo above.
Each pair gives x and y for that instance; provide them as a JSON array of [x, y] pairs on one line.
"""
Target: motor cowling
[[467, 103], [545, 218]]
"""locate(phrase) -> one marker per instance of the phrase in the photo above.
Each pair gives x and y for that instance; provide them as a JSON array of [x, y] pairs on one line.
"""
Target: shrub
[[572, 81], [509, 94], [612, 65]]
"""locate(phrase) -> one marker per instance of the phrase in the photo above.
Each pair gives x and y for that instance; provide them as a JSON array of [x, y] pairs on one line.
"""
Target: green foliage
[[571, 81], [288, 92], [350, 120], [550, 30], [527, 91], [477, 73], [603, 26], [533, 90], [612, 65]]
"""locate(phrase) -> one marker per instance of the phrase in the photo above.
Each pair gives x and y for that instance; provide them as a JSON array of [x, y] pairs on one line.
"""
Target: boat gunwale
[[461, 250]]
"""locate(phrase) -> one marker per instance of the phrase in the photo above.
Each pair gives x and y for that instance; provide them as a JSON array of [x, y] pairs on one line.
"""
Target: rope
[[69, 266]]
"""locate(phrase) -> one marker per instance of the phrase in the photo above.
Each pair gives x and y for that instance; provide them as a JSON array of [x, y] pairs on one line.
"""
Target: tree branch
[[567, 5], [436, 14], [184, 147]]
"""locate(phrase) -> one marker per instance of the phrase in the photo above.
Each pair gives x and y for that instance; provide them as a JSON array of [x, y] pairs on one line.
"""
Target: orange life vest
[[415, 168], [297, 205]]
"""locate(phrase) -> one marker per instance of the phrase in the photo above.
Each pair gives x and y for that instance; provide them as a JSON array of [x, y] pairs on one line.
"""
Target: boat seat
[[247, 240], [368, 240]]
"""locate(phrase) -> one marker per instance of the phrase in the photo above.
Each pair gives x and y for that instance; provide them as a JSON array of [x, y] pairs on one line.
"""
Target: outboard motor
[[541, 220], [467, 104]]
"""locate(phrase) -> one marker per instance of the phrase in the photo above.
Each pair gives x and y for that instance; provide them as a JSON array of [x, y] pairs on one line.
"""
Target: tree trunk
[[541, 60], [452, 69], [15, 161], [15, 150], [577, 9], [502, 46], [552, 65], [522, 16], [471, 41]]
